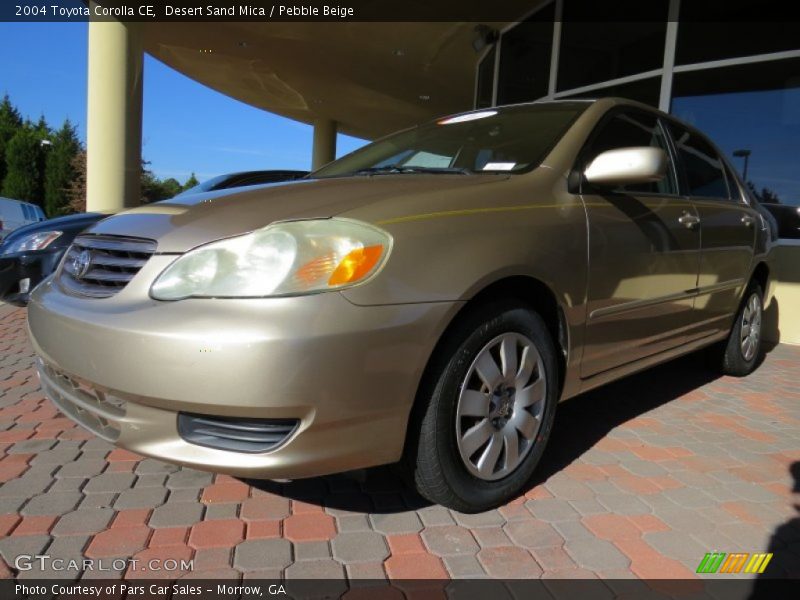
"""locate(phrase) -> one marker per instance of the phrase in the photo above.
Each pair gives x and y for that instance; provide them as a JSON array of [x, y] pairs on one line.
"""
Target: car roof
[[2, 198]]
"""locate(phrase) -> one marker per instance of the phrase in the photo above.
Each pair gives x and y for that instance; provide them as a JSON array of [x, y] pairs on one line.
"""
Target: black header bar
[[781, 13]]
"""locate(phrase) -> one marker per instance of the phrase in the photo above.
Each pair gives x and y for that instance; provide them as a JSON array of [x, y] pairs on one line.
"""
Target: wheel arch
[[528, 290], [761, 276]]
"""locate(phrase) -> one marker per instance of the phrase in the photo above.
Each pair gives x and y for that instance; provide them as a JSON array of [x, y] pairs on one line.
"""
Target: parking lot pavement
[[641, 479]]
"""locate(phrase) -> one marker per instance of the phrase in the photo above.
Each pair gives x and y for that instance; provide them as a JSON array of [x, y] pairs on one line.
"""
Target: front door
[[644, 253]]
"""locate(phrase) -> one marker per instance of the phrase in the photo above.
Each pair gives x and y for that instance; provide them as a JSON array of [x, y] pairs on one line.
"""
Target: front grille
[[99, 266], [97, 411], [233, 434]]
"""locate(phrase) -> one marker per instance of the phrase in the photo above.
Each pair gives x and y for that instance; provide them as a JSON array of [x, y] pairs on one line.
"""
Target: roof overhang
[[371, 78]]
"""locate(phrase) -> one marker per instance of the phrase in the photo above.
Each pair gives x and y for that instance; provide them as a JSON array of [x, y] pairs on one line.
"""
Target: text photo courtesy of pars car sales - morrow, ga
[[407, 301]]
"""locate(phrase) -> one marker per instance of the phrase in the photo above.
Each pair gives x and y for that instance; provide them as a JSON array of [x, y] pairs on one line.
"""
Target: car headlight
[[34, 241], [288, 258]]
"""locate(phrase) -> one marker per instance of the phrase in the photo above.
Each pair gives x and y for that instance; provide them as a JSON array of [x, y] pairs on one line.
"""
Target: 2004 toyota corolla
[[429, 297]]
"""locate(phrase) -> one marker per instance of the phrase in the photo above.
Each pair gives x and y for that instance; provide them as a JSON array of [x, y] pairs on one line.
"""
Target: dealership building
[[737, 80]]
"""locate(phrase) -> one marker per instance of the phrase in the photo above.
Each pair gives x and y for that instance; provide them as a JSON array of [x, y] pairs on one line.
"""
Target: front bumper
[[34, 266], [126, 366]]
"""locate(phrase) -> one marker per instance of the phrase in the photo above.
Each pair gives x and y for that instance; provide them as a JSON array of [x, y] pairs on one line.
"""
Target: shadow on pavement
[[583, 421], [580, 423], [785, 547]]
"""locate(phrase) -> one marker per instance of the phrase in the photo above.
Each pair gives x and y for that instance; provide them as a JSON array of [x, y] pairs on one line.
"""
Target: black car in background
[[30, 253], [787, 218], [244, 178]]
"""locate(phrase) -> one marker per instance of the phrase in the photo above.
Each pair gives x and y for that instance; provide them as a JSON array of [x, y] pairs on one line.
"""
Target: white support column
[[324, 148], [665, 96], [555, 50], [114, 116]]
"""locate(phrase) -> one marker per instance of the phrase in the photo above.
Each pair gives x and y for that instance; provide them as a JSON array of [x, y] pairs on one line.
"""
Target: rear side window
[[633, 129], [701, 165]]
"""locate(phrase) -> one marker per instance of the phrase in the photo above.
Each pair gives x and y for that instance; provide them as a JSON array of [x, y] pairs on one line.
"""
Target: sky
[[43, 70]]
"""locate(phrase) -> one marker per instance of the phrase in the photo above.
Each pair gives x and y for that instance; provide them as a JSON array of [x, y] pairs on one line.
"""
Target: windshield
[[513, 139]]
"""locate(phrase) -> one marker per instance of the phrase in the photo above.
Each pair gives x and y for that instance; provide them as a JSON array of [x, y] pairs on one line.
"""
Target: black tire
[[433, 461], [729, 356]]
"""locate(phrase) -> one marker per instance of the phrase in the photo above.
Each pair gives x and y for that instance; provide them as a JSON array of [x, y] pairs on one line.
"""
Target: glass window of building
[[743, 32], [752, 112], [595, 48], [525, 58], [633, 129], [643, 90], [485, 83]]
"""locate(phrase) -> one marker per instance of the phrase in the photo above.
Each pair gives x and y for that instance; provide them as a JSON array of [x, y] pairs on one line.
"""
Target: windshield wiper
[[456, 170], [401, 170]]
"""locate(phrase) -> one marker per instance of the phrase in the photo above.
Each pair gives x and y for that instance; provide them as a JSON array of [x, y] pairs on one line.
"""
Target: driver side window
[[630, 129]]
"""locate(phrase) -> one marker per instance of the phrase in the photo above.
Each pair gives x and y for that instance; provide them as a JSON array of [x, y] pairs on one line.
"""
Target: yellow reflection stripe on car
[[488, 209], [465, 212]]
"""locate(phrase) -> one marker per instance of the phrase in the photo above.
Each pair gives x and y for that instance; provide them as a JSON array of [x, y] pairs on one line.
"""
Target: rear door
[[727, 227], [644, 253]]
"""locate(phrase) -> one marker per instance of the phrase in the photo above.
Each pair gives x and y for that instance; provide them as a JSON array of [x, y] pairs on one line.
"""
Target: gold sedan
[[427, 299]]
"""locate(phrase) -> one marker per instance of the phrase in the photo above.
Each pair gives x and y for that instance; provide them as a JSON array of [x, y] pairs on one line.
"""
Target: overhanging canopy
[[371, 78]]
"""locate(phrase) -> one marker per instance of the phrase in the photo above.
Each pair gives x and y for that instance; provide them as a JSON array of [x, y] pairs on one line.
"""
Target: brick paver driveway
[[641, 479]]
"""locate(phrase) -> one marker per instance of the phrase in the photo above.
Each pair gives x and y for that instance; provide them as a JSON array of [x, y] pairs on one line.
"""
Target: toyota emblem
[[81, 264]]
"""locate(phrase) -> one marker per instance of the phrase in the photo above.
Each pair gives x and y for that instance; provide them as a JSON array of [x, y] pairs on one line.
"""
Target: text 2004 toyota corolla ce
[[427, 299]]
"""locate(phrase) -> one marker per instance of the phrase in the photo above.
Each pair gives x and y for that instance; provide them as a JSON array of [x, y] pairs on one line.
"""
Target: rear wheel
[[739, 355], [488, 409]]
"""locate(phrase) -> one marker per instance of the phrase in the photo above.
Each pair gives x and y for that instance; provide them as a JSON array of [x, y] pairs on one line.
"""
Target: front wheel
[[742, 350], [488, 409]]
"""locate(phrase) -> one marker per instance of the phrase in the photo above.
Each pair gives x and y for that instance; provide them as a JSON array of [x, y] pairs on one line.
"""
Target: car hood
[[185, 222]]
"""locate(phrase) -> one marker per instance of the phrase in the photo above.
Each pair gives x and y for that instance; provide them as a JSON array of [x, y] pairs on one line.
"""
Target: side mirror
[[625, 166]]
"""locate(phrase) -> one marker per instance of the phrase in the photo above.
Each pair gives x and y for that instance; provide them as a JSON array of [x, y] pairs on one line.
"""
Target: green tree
[[10, 123], [60, 169], [191, 182], [171, 187], [150, 185], [765, 196], [155, 189], [42, 129], [76, 191], [24, 159]]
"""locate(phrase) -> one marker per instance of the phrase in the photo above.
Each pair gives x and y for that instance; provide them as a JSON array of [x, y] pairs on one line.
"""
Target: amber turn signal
[[356, 265]]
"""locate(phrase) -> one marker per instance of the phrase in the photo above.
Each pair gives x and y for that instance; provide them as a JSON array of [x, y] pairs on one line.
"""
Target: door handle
[[689, 220], [748, 221]]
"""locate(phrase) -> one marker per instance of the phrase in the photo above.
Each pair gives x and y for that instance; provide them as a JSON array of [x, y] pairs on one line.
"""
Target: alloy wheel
[[500, 406], [751, 327]]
